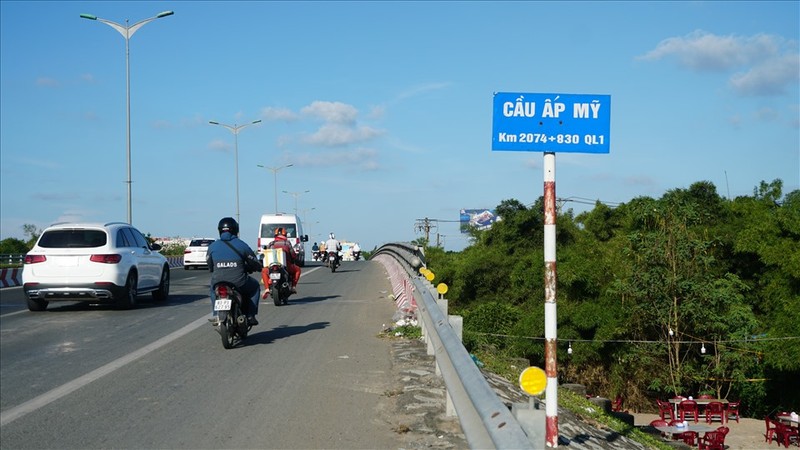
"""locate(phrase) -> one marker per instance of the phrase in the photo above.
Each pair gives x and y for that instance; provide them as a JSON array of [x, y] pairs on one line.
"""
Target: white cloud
[[339, 124], [278, 114], [219, 145], [772, 77], [47, 82], [334, 112], [363, 159], [334, 134], [422, 89], [766, 64], [702, 51]]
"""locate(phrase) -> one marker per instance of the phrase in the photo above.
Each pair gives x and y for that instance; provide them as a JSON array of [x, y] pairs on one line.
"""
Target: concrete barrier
[[10, 277]]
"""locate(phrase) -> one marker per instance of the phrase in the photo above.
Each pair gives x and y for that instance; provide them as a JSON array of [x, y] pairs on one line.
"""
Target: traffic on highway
[[312, 374]]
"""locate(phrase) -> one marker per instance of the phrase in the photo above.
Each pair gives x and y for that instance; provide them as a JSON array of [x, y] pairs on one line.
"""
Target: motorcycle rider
[[226, 259], [333, 245], [356, 251], [315, 251], [282, 243]]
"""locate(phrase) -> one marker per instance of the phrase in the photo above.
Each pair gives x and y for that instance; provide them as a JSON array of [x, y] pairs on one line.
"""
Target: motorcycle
[[232, 325], [317, 256], [356, 255], [333, 261], [279, 286]]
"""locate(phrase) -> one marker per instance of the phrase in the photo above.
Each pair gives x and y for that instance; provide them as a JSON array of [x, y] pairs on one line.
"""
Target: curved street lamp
[[235, 130], [275, 175], [127, 32], [295, 195]]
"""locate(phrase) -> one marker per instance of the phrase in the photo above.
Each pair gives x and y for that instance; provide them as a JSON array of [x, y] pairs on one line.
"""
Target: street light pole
[[127, 32], [305, 219], [235, 130], [275, 176], [295, 195]]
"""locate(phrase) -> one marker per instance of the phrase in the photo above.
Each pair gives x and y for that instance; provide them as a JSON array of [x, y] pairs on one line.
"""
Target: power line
[[635, 341]]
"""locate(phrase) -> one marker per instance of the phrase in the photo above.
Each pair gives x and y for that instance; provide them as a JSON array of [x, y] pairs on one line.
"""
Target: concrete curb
[[13, 277]]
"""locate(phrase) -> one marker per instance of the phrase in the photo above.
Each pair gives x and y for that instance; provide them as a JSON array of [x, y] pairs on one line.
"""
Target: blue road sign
[[574, 123]]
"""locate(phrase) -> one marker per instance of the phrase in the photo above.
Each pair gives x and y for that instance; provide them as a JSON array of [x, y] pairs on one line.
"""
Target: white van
[[294, 232]]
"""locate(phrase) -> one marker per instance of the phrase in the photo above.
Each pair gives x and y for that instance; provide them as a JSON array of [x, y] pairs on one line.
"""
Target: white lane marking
[[16, 412]]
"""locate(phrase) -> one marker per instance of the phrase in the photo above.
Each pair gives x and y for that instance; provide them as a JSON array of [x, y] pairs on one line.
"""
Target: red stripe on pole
[[551, 431]]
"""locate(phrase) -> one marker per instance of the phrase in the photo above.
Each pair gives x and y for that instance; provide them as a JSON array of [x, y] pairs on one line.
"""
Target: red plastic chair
[[617, 404], [732, 411], [786, 434], [688, 408], [659, 423], [664, 410], [705, 397], [715, 409], [712, 440], [769, 435], [690, 438]]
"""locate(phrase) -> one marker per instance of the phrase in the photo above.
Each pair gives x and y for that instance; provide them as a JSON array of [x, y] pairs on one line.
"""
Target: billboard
[[481, 219]]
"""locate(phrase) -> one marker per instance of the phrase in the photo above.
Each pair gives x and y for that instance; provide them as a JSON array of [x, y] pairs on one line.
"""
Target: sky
[[383, 109]]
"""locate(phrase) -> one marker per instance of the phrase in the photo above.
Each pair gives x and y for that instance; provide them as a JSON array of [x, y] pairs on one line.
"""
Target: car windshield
[[73, 239], [268, 229], [201, 242]]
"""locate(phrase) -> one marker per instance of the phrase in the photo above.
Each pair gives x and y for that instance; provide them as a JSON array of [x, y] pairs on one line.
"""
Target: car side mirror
[[155, 247]]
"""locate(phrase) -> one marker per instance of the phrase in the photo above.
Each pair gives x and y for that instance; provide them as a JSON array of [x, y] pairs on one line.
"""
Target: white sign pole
[[550, 317]]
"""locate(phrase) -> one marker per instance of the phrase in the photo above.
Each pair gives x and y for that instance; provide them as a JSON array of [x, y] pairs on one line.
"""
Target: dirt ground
[[748, 434]]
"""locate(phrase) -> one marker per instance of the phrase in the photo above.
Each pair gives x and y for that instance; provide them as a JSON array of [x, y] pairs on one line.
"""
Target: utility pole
[[425, 225]]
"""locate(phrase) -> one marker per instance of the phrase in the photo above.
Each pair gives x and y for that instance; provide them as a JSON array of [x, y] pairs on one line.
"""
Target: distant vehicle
[[294, 233], [93, 262], [195, 254]]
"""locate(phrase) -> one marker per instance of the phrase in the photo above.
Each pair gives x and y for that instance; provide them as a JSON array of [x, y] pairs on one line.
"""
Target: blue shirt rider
[[225, 264]]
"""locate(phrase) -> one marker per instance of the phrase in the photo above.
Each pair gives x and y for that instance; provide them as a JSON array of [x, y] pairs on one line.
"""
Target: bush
[[173, 249]]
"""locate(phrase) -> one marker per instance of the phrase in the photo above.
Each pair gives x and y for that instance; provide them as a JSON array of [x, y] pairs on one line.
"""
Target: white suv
[[195, 253], [93, 262]]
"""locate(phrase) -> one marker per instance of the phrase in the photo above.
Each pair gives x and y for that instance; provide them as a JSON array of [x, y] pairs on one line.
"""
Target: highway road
[[313, 374]]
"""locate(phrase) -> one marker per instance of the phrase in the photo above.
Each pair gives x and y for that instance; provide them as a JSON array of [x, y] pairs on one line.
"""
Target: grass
[[587, 411], [591, 413]]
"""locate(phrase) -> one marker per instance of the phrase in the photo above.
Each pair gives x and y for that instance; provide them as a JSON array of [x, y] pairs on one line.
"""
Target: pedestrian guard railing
[[485, 420]]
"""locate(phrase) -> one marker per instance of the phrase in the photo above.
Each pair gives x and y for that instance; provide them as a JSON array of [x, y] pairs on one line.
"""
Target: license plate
[[223, 304], [332, 258], [274, 276]]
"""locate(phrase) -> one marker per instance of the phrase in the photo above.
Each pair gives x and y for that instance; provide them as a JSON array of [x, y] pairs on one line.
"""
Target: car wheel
[[162, 292], [185, 267], [128, 298], [36, 304]]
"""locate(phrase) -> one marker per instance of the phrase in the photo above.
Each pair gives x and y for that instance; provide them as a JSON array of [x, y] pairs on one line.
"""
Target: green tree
[[33, 233], [704, 287], [13, 246]]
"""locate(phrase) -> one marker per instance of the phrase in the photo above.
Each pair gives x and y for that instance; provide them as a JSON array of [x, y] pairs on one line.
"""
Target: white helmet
[[332, 236]]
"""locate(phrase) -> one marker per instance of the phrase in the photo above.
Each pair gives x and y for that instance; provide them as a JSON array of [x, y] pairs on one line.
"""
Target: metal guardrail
[[485, 420], [12, 259]]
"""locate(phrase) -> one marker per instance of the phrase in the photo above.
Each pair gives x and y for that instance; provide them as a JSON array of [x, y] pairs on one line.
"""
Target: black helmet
[[228, 224]]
